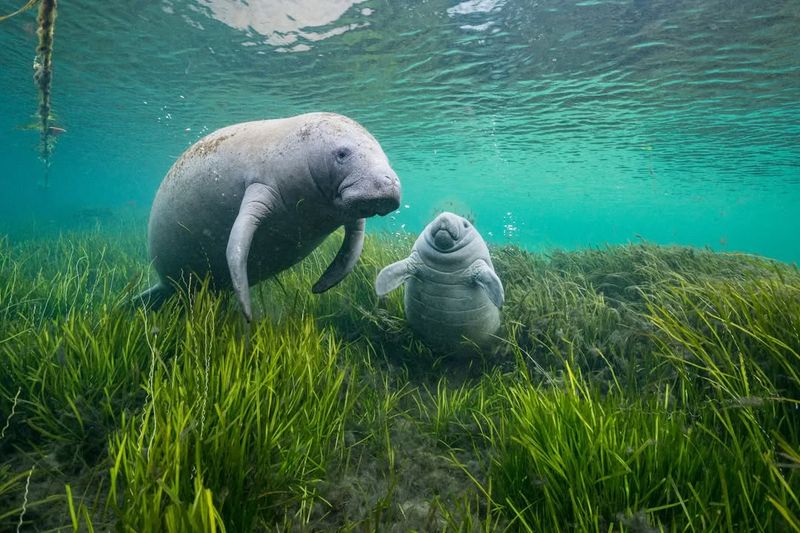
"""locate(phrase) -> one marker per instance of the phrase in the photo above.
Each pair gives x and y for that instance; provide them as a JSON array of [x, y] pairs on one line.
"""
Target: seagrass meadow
[[631, 388]]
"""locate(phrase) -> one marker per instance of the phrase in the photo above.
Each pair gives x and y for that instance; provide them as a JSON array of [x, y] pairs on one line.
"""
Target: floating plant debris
[[24, 8], [43, 76]]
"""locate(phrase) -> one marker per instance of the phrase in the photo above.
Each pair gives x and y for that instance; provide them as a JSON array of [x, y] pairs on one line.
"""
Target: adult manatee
[[452, 292], [252, 199]]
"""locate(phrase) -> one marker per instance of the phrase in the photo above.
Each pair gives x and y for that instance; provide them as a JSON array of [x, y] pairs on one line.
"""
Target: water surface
[[553, 123]]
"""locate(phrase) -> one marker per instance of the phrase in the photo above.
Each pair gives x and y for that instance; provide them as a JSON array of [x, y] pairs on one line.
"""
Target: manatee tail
[[155, 296]]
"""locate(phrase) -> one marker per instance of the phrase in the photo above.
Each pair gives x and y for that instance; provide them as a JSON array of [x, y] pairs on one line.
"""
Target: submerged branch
[[23, 9], [43, 75]]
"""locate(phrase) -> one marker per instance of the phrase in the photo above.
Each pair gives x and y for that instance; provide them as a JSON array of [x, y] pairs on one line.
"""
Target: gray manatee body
[[452, 293], [252, 199]]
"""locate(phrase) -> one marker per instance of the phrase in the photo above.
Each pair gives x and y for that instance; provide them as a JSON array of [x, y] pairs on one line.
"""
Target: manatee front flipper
[[345, 259], [155, 296], [482, 274], [256, 206], [394, 275]]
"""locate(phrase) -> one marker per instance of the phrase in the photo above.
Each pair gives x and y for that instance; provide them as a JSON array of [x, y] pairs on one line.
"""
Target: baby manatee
[[452, 294]]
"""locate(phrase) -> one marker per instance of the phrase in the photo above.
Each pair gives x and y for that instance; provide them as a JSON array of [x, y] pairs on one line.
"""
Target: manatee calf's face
[[449, 233], [361, 180]]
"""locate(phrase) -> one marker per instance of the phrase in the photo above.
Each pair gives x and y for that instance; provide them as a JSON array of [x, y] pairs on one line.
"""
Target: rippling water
[[554, 123]]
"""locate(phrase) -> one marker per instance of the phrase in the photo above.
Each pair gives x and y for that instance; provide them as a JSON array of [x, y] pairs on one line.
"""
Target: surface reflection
[[282, 24]]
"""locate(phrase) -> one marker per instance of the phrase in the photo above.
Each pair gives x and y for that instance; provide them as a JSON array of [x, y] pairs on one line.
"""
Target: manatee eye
[[466, 224], [342, 154]]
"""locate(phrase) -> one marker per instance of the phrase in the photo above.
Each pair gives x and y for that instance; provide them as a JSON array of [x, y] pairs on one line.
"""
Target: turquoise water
[[553, 123]]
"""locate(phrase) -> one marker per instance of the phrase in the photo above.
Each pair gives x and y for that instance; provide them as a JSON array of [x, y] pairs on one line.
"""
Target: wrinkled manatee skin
[[252, 199], [452, 294]]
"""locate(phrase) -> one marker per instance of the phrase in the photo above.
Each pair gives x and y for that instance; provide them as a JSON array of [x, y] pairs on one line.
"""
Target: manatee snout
[[369, 196], [446, 231], [378, 206], [444, 239]]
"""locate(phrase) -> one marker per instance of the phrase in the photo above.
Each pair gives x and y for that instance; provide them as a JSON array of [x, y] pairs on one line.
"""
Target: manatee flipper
[[256, 206], [483, 275], [345, 259], [155, 296], [394, 275]]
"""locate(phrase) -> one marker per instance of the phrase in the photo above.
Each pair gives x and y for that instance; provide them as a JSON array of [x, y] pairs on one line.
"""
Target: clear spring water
[[554, 123]]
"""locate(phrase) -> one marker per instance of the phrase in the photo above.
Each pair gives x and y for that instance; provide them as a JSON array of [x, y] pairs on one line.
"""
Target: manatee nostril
[[451, 228]]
